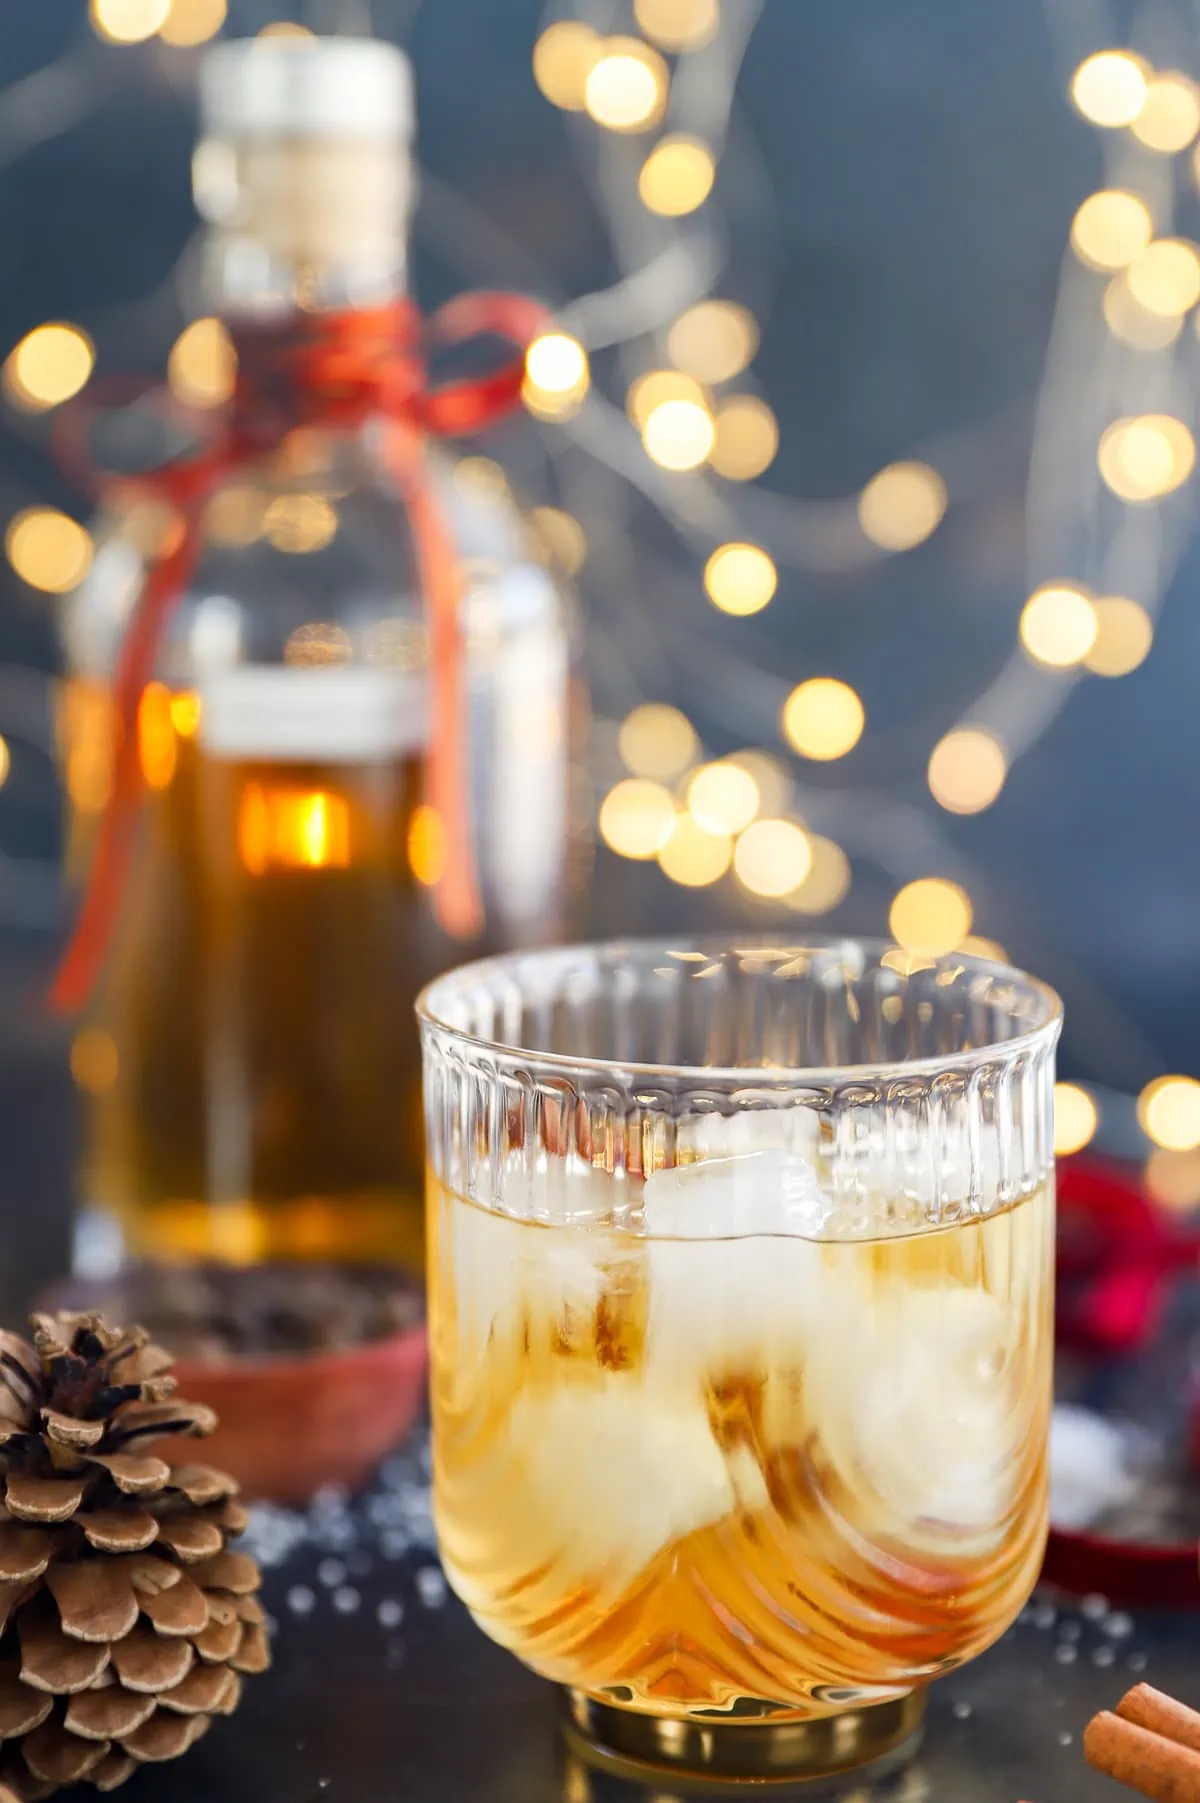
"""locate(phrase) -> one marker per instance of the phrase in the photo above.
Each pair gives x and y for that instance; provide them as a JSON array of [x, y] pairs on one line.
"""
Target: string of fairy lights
[[1106, 517]]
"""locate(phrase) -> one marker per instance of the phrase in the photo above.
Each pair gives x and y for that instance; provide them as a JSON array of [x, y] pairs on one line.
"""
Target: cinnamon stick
[[1150, 1708], [1160, 1769]]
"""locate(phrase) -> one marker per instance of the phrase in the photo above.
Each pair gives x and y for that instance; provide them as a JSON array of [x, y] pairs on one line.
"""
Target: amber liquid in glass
[[262, 1093], [770, 1476]]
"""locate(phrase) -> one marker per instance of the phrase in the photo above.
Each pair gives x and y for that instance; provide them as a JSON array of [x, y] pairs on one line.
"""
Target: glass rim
[[794, 1076]]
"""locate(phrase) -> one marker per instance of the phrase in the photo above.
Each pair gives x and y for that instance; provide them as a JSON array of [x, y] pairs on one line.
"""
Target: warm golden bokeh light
[[48, 549], [1124, 635], [678, 24], [1058, 625], [1109, 88], [202, 366], [626, 86], [158, 749], [747, 438], [557, 376], [128, 21], [713, 341], [1169, 117], [772, 858], [426, 845], [637, 817], [299, 523], [740, 579], [677, 176], [318, 644], [285, 28], [678, 435], [1110, 229], [1173, 1179], [564, 536], [1169, 1113], [657, 741], [292, 829], [930, 916], [1147, 456], [184, 710], [1129, 321], [902, 505], [1165, 277], [563, 58], [5, 761], [823, 718], [827, 882], [695, 855], [648, 391], [233, 517], [967, 770], [771, 777], [94, 1062], [979, 947], [48, 366], [723, 798], [1075, 1118], [193, 21]]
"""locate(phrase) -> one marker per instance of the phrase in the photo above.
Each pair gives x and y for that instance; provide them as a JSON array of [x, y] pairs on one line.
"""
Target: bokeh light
[[694, 854], [772, 858], [557, 376], [677, 176], [1058, 625], [902, 505], [1146, 456], [1124, 635], [1075, 1118], [1109, 88], [1169, 1113], [1110, 229], [426, 845], [713, 341], [1169, 117], [193, 21], [1173, 1178], [678, 435], [128, 21], [747, 438], [5, 760], [563, 58], [740, 579], [1133, 324], [318, 644], [967, 770], [202, 366], [648, 391], [626, 86], [1165, 277], [48, 366], [827, 882], [233, 516], [300, 523], [930, 916], [678, 24], [637, 817], [723, 797], [771, 778], [984, 948], [48, 549], [564, 536], [657, 741], [823, 718]]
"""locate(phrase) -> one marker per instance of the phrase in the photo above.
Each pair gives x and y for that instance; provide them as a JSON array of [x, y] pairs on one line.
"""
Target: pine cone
[[125, 1620]]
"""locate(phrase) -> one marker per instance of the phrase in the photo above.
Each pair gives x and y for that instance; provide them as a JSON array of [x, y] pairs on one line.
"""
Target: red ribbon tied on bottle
[[333, 370]]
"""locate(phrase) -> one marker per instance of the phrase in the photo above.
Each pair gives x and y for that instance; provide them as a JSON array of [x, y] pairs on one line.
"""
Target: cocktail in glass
[[740, 1271]]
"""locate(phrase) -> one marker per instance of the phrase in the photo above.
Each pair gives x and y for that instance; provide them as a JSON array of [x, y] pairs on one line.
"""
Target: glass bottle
[[251, 1052]]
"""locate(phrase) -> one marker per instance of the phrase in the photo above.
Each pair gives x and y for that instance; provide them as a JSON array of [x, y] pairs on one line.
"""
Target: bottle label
[[338, 716]]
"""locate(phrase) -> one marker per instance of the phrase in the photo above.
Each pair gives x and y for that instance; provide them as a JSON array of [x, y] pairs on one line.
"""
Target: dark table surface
[[383, 1691]]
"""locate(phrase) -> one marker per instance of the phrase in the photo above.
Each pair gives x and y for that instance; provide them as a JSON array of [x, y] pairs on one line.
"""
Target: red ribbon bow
[[1118, 1256], [331, 370]]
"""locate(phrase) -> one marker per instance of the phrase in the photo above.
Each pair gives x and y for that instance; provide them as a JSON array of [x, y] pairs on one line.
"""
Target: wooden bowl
[[289, 1425]]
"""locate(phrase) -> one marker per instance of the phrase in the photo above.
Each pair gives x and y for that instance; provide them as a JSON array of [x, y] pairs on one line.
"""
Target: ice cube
[[918, 1395], [587, 1482], [733, 1264], [773, 1191]]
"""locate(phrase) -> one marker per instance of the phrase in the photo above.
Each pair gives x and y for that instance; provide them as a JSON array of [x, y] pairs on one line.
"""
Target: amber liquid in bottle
[[259, 1095]]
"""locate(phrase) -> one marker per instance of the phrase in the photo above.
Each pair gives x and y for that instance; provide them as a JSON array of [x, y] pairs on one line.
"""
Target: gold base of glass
[[698, 1755]]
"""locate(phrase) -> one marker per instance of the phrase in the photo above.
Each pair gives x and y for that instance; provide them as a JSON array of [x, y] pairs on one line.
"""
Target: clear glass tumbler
[[741, 1293]]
